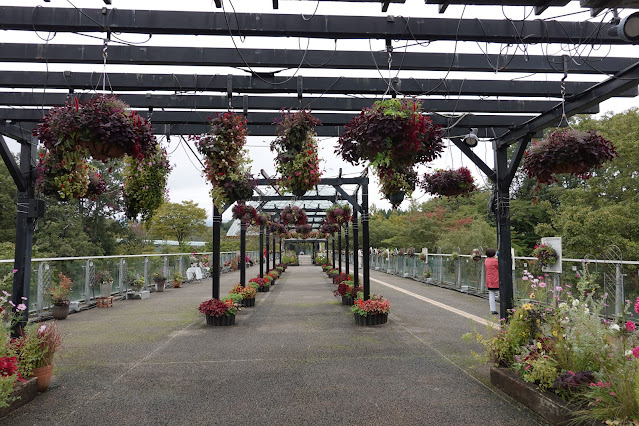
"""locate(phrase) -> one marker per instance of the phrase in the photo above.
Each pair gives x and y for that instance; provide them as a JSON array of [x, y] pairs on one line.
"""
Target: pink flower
[[637, 306], [635, 352], [542, 284], [630, 326], [21, 307], [15, 270]]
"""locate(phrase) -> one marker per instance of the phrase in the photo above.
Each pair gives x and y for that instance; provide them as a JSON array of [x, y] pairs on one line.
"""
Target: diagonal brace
[[490, 173], [13, 167], [348, 198]]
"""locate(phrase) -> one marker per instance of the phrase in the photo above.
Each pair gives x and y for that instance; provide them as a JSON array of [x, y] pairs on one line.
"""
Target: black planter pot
[[348, 301], [376, 319], [247, 303], [220, 321], [60, 312], [299, 192], [264, 289], [396, 198]]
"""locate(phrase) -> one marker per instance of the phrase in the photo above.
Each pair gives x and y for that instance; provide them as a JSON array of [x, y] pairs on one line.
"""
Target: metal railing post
[[146, 273], [121, 275], [40, 289], [87, 281], [619, 296]]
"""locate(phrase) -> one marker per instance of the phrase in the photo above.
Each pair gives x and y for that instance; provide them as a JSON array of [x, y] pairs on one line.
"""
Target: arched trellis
[[507, 130]]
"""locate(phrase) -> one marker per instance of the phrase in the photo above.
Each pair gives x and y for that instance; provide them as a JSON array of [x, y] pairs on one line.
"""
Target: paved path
[[297, 358]]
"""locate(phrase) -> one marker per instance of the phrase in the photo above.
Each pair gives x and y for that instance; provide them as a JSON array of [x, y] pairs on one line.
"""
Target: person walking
[[492, 278]]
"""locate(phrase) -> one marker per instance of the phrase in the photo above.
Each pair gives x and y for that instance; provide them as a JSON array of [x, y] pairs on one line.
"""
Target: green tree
[[178, 221], [8, 200]]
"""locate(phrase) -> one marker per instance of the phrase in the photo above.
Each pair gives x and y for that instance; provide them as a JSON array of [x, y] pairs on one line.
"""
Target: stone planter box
[[144, 294], [551, 407], [25, 393]]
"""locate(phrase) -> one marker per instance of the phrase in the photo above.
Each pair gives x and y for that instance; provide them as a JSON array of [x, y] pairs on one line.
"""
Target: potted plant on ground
[[263, 284], [178, 279], [297, 161], [567, 151], [373, 311], [159, 280], [393, 137], [35, 348], [59, 293], [449, 183], [105, 280], [217, 312], [342, 277], [248, 296]]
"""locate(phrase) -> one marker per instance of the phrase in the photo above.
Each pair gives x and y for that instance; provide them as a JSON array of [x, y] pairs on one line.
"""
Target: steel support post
[[25, 225], [215, 261], [242, 262], [268, 252], [346, 249], [280, 249], [333, 248], [365, 242], [339, 249], [355, 249], [274, 250], [262, 251], [503, 231]]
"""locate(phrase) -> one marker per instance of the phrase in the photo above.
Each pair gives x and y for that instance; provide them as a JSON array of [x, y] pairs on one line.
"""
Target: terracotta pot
[[60, 312], [44, 375], [177, 284]]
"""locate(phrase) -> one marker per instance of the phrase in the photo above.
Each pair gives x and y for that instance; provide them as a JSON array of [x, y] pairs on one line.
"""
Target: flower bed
[[566, 348]]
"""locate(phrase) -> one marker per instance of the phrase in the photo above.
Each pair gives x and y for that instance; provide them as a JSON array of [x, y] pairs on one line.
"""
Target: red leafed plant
[[261, 282], [449, 183], [328, 228], [261, 219], [245, 213], [293, 215], [305, 229], [337, 279], [567, 151], [375, 305], [343, 290], [216, 308], [339, 214]]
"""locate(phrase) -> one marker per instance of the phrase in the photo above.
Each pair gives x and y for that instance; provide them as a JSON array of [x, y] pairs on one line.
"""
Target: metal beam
[[323, 181], [540, 6], [181, 83], [607, 89], [290, 197], [322, 26], [285, 58], [267, 118], [12, 166], [190, 101], [270, 130]]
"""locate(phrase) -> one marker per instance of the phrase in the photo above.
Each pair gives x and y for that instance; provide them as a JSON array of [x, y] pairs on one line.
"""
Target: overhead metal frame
[[580, 96]]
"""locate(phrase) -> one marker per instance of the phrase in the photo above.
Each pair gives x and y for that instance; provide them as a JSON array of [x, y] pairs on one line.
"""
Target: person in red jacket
[[492, 278]]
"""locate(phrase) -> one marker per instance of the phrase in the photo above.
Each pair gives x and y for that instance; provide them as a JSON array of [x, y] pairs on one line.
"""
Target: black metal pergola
[[459, 103]]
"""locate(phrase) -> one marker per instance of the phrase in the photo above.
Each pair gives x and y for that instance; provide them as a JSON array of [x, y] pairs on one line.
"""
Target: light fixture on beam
[[471, 139], [627, 29]]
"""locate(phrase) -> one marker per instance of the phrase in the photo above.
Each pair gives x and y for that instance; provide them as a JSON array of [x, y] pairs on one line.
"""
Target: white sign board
[[554, 242]]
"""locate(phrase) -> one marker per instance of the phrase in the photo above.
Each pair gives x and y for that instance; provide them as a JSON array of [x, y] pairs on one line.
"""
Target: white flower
[[562, 305], [628, 353], [575, 303], [614, 327], [42, 328]]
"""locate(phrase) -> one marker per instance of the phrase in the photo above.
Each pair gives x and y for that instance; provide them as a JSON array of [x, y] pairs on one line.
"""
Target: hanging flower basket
[[449, 183], [339, 214], [245, 213], [293, 215], [304, 229], [225, 159], [328, 228], [144, 189], [393, 136], [102, 128], [567, 151], [261, 219], [297, 161], [277, 228], [545, 254], [396, 183]]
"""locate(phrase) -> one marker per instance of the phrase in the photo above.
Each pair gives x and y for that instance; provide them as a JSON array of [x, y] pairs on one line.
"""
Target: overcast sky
[[186, 181]]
